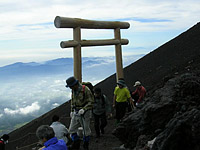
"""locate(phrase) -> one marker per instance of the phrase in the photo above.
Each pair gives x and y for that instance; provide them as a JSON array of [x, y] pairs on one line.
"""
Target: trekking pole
[[83, 125], [84, 135]]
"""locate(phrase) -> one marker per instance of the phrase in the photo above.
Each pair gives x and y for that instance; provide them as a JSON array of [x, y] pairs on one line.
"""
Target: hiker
[[61, 132], [90, 86], [130, 105], [121, 95], [81, 106], [101, 108], [3, 141], [46, 135], [139, 94]]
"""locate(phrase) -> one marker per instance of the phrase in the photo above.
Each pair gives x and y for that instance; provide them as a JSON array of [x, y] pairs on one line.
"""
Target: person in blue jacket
[[46, 135]]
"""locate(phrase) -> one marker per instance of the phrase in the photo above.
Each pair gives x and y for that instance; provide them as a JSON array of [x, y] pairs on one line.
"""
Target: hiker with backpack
[[3, 141], [81, 106], [139, 94], [121, 95], [101, 109]]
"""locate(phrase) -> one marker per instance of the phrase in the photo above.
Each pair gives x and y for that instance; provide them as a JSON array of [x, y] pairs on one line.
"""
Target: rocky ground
[[171, 115]]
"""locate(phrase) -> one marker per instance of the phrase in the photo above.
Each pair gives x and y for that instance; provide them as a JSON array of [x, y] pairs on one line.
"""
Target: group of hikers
[[86, 101]]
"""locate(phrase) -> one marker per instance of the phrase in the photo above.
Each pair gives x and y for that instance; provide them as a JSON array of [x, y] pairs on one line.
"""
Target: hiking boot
[[75, 145], [86, 145]]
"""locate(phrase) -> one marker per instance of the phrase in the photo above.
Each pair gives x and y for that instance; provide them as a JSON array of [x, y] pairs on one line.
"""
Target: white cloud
[[24, 110], [55, 105], [1, 115]]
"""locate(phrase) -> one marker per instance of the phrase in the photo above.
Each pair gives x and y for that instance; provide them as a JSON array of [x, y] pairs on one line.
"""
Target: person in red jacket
[[139, 94]]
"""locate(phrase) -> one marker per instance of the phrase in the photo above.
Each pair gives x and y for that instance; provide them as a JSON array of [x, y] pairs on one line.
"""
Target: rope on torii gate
[[77, 43]]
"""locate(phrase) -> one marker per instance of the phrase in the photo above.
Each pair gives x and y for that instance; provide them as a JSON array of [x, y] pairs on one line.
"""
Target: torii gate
[[77, 43]]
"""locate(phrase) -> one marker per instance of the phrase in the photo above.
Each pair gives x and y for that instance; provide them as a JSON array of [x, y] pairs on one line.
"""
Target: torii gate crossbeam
[[77, 43]]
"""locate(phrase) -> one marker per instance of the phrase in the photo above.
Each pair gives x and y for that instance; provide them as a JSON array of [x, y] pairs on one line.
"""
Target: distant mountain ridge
[[58, 66]]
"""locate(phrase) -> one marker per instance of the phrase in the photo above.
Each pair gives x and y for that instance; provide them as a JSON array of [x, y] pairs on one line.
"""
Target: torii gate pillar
[[77, 54], [118, 55], [77, 43]]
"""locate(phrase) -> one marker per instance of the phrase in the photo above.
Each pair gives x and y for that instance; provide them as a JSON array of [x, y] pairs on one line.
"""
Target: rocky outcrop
[[171, 114]]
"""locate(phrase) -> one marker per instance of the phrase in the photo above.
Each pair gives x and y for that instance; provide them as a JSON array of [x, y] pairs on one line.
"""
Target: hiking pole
[[82, 124]]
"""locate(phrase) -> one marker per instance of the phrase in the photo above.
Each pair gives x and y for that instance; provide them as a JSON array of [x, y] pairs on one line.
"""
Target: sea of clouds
[[28, 97]]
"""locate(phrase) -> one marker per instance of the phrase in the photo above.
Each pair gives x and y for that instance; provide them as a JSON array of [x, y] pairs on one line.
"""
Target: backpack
[[89, 85], [1, 142], [103, 100]]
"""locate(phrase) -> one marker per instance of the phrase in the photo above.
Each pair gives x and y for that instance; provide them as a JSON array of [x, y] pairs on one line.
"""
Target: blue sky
[[28, 34]]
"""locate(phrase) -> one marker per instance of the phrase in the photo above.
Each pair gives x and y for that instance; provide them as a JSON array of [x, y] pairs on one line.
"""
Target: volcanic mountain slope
[[171, 76]]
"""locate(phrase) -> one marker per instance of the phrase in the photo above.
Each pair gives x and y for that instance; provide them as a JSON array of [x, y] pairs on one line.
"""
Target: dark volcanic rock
[[174, 110], [181, 133]]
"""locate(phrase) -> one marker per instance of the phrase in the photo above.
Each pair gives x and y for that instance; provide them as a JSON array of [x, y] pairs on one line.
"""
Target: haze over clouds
[[23, 111], [34, 93], [28, 33]]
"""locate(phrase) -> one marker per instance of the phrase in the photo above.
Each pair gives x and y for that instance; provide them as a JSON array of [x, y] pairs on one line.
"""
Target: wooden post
[[77, 43], [84, 43], [77, 54], [65, 22], [118, 55]]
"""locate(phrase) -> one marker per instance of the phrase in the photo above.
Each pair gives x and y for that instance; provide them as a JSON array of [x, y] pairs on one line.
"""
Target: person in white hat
[[139, 94]]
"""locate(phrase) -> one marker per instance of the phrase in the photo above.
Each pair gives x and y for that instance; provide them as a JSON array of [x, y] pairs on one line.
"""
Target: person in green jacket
[[81, 106]]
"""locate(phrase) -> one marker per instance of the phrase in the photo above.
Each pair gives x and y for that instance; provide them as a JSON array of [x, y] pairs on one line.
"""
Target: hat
[[137, 83], [121, 82], [71, 81], [5, 137]]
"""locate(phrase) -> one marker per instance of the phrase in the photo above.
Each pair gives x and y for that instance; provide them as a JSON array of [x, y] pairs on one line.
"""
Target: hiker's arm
[[114, 100], [131, 102], [89, 98], [108, 105], [134, 92]]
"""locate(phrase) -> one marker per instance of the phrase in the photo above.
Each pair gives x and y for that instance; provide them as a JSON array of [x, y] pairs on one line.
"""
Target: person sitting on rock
[[139, 94], [47, 137], [61, 132]]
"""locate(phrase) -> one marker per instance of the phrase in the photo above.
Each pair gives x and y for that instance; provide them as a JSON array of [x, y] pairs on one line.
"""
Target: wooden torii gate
[[77, 43]]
